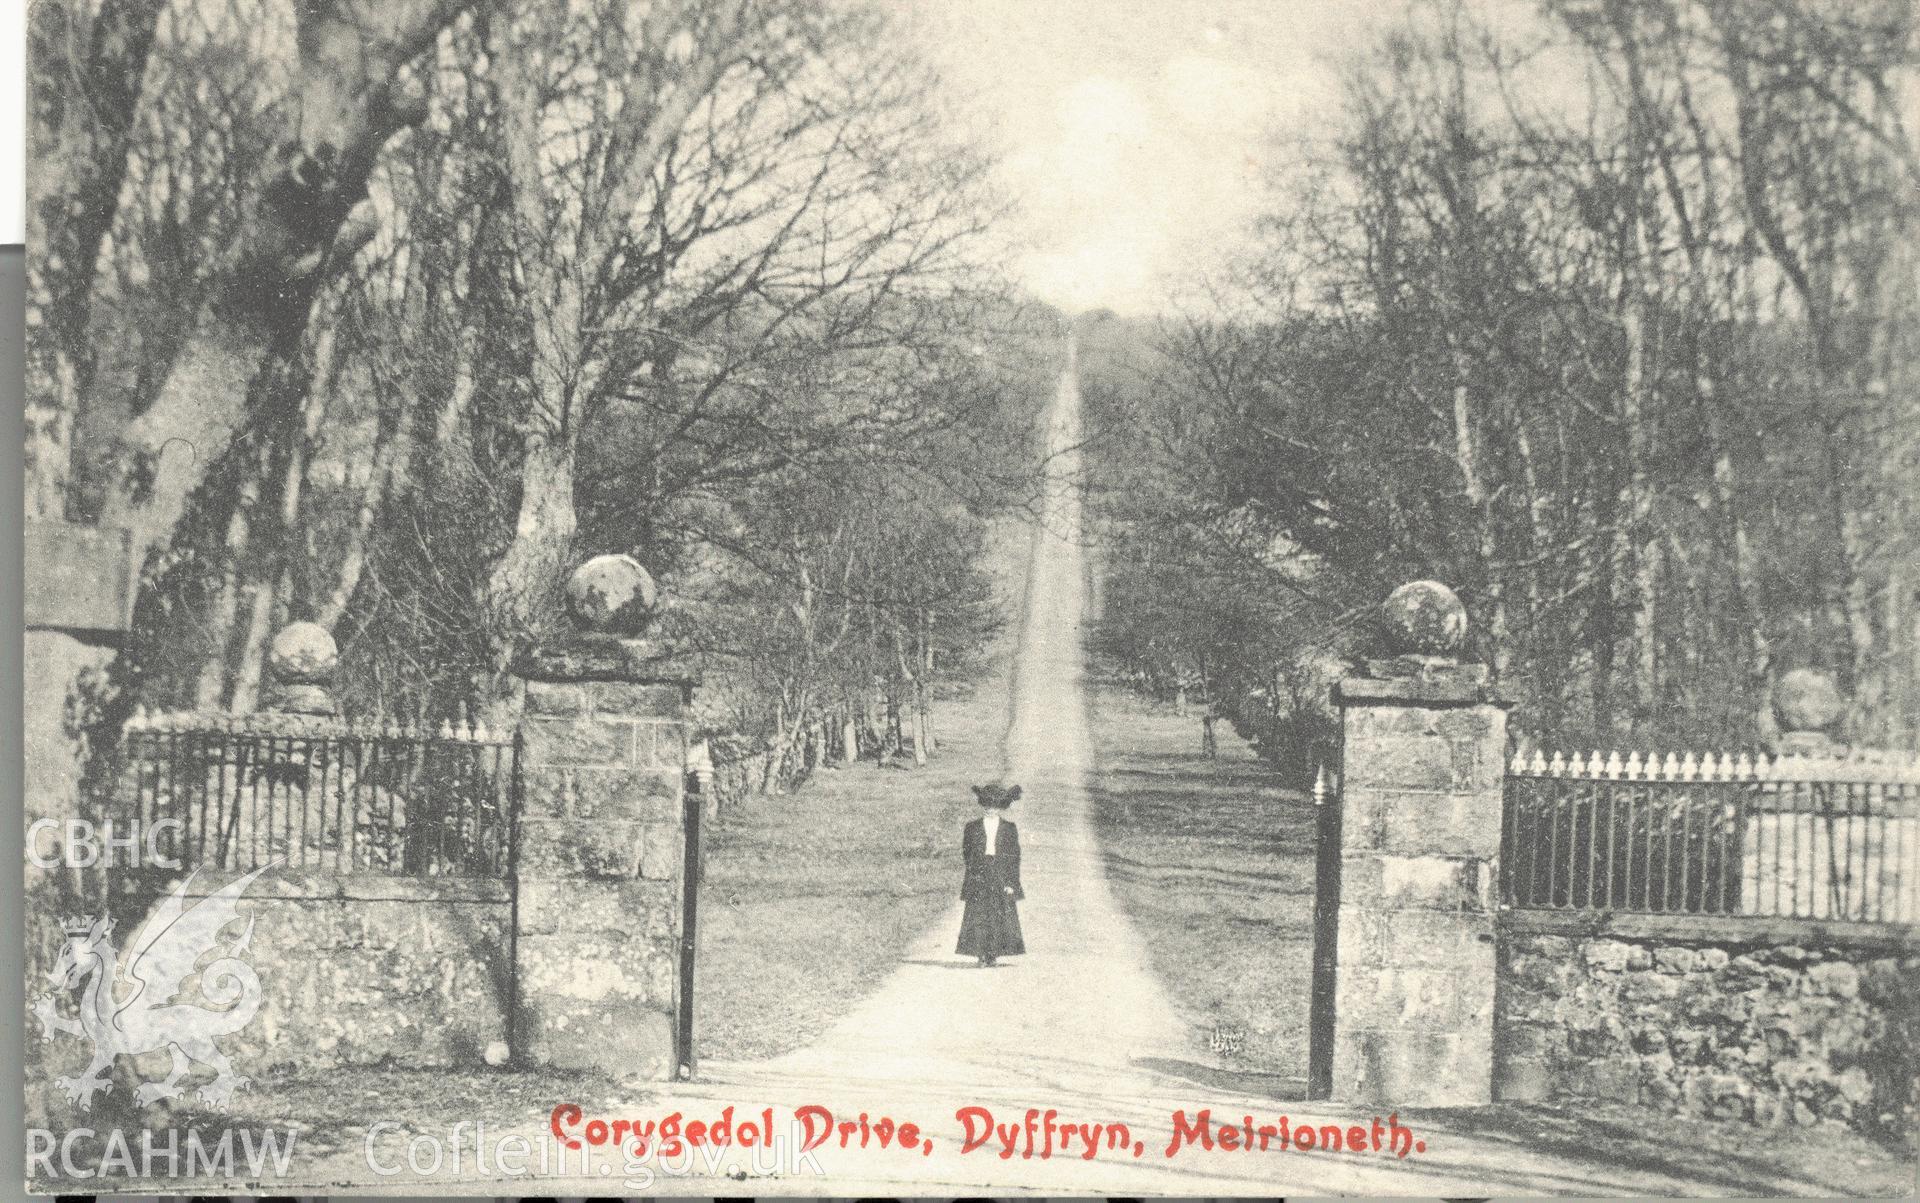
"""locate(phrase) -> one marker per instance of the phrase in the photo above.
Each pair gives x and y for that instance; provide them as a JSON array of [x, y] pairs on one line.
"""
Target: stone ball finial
[[1806, 700], [1424, 618], [613, 594], [301, 660], [303, 653]]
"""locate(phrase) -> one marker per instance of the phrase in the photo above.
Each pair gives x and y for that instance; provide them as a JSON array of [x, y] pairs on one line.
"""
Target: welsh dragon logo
[[131, 1005]]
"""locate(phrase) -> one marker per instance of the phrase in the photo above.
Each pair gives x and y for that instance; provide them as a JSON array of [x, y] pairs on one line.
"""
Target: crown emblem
[[77, 925]]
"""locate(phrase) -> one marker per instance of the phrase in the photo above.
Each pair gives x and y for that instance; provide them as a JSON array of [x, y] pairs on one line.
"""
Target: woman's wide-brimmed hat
[[998, 796]]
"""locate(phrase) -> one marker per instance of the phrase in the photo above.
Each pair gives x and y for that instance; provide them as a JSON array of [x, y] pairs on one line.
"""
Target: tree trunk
[[391, 447], [849, 738], [1875, 704], [223, 607], [923, 695], [1466, 455], [81, 132], [796, 734], [1641, 562], [267, 601], [920, 722], [1723, 486], [871, 721], [1739, 549], [525, 586], [1605, 635], [1637, 545], [351, 103], [776, 748], [273, 578], [1537, 541], [1863, 684]]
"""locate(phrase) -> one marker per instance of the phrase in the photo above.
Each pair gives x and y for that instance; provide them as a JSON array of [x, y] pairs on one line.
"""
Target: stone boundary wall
[[1769, 1021], [367, 969]]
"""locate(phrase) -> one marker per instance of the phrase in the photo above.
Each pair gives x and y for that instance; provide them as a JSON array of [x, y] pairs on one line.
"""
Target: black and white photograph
[[964, 598]]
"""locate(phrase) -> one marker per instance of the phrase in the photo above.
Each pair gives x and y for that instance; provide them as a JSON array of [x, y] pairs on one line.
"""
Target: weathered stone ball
[[496, 1053], [1806, 700], [612, 593], [1424, 618], [303, 653]]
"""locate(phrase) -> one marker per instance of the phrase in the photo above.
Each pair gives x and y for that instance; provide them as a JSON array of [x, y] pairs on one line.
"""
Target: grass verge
[[811, 898], [1214, 863]]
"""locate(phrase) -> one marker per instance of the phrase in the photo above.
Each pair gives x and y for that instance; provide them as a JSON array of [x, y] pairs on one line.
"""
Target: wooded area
[[1609, 323], [385, 313]]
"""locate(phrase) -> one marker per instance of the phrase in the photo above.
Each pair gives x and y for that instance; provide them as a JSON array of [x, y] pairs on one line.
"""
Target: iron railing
[[1803, 837], [323, 794]]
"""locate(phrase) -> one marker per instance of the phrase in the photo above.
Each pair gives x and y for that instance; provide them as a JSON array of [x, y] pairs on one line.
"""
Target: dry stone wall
[[1758, 1031]]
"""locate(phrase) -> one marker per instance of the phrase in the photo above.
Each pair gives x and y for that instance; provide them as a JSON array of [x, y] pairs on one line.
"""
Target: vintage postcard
[[967, 598]]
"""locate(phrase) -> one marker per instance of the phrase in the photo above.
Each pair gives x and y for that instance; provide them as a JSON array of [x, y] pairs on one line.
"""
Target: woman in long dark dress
[[990, 845]]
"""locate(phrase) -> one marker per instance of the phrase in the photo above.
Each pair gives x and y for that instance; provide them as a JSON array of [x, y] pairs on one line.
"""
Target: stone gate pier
[[598, 918], [1405, 946]]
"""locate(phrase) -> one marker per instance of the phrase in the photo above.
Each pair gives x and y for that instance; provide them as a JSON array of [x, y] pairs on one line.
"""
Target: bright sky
[[1136, 133]]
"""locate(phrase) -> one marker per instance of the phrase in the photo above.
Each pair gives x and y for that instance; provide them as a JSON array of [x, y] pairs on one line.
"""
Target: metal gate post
[[692, 805], [1326, 928]]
